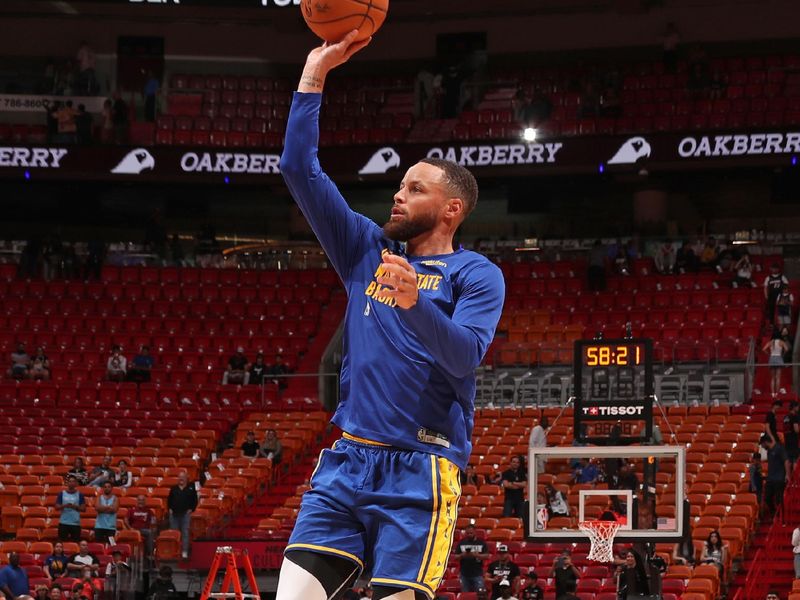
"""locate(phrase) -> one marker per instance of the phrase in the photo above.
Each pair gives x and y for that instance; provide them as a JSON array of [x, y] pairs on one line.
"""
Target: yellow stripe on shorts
[[360, 440]]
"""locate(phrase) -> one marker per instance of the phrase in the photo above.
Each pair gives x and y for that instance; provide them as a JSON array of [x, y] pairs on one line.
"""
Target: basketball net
[[601, 535]]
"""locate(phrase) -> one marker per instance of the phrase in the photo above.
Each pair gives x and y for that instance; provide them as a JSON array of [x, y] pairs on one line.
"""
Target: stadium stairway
[[246, 523]]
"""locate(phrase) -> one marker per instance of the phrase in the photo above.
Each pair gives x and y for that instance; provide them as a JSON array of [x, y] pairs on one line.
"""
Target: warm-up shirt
[[407, 375]]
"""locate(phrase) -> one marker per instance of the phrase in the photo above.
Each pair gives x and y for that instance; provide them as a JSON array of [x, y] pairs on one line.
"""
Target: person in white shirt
[[796, 551], [117, 365], [538, 439]]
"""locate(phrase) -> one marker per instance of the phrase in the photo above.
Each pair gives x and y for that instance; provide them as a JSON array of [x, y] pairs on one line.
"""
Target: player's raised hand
[[326, 57], [401, 280]]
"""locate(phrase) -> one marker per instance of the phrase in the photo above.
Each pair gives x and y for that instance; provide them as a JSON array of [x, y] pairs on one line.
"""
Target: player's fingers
[[398, 260], [357, 47], [398, 271]]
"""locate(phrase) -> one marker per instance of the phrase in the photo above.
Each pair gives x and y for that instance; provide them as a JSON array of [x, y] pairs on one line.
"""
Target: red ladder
[[227, 555]]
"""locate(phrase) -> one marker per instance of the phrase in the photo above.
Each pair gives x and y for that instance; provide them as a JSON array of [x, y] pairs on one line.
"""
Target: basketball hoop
[[601, 535]]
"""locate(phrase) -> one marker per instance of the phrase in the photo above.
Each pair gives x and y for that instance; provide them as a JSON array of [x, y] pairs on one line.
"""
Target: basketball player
[[420, 317]]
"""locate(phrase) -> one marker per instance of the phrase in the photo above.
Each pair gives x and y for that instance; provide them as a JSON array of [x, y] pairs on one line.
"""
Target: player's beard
[[403, 230]]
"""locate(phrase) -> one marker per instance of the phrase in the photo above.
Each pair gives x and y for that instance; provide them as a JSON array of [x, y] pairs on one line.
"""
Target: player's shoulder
[[470, 263]]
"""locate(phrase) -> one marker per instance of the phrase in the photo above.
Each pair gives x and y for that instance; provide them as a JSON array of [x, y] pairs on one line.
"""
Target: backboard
[[641, 487]]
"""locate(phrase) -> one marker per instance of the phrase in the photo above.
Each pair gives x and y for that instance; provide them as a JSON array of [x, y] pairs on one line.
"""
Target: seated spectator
[[237, 372], [272, 448], [20, 363], [67, 127], [709, 255], [587, 472], [686, 259], [40, 366], [556, 502], [277, 371], [56, 593], [141, 365], [117, 565], [162, 588], [665, 258], [13, 578], [123, 478], [143, 520], [102, 473], [117, 366], [83, 559], [55, 565], [258, 370], [78, 471], [250, 447], [744, 271], [86, 587], [41, 592], [714, 552], [532, 591], [470, 477]]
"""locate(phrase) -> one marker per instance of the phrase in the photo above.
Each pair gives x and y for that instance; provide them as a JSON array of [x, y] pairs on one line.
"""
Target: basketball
[[333, 19]]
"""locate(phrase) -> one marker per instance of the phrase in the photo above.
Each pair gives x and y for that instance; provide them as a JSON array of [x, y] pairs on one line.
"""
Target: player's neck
[[432, 243]]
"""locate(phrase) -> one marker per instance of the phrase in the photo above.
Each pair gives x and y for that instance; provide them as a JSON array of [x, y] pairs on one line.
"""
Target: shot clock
[[613, 390]]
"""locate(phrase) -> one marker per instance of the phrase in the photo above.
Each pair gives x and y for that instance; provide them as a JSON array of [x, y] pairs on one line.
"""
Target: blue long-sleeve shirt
[[407, 375]]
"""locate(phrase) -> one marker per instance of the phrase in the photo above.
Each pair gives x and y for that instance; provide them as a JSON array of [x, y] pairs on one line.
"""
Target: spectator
[[683, 551], [83, 126], [632, 577], [783, 307], [772, 595], [514, 481], [71, 504], [14, 579], [669, 43], [502, 569], [787, 341], [791, 433], [556, 503], [67, 127], [278, 371], [470, 477], [182, 502], [87, 83], [686, 259], [55, 592], [772, 418], [597, 267], [505, 591], [162, 588], [143, 520], [55, 565], [107, 505], [473, 551], [85, 587], [102, 473], [237, 369], [107, 123], [778, 471], [40, 366], [773, 286], [250, 447], [714, 552], [796, 551], [538, 439], [117, 565], [123, 478], [119, 118], [532, 591], [141, 366], [41, 592], [151, 90], [587, 472], [78, 471], [272, 447], [20, 363], [83, 559], [564, 573], [665, 258], [710, 254], [756, 484], [117, 366], [776, 348], [744, 271], [258, 370]]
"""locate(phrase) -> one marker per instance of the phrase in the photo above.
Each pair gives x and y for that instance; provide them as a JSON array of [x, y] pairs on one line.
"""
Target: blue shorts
[[390, 511]]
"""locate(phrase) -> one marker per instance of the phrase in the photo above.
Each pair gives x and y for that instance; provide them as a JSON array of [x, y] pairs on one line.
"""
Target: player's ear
[[455, 209]]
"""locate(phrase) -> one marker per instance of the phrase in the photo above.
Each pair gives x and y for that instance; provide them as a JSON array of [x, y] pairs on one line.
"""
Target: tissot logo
[[135, 162], [613, 411], [631, 151], [383, 160], [32, 158], [740, 145], [500, 154]]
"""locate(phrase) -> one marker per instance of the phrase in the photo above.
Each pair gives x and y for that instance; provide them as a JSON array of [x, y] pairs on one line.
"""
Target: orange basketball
[[333, 19]]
